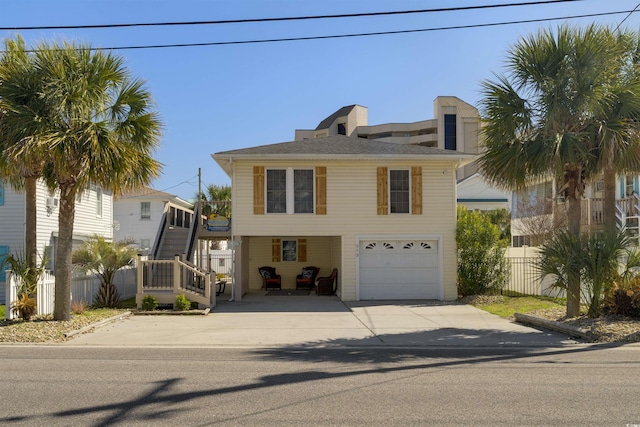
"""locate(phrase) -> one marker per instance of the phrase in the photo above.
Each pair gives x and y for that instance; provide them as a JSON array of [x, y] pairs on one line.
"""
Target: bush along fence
[[524, 277], [83, 288]]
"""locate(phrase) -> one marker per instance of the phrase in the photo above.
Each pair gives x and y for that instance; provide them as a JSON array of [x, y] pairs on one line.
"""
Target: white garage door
[[399, 269]]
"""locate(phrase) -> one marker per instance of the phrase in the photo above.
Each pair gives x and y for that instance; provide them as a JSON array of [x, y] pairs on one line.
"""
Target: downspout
[[233, 238]]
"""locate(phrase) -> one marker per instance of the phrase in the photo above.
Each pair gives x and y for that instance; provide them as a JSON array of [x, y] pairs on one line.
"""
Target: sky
[[224, 97]]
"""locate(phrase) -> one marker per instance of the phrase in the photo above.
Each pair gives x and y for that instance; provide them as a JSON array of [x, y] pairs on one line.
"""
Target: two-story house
[[94, 215], [382, 213]]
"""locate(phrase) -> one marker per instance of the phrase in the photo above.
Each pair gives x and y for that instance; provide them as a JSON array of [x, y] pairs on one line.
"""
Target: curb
[[97, 324], [572, 331], [172, 313]]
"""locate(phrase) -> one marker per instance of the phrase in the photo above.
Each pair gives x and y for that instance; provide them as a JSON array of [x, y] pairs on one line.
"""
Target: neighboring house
[[93, 215], [456, 127], [383, 213], [476, 195], [138, 216], [539, 209]]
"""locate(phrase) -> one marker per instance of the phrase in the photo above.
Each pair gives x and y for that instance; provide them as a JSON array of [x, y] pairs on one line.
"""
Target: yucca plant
[[26, 305], [27, 275], [105, 258]]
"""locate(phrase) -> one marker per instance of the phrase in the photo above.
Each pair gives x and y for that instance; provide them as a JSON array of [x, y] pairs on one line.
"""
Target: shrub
[[149, 303], [79, 307], [182, 303], [482, 267], [624, 299], [25, 306]]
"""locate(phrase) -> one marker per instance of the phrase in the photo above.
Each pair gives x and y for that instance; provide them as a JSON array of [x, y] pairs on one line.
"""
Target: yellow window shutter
[[276, 250], [258, 190], [321, 190], [302, 250], [383, 191], [416, 190]]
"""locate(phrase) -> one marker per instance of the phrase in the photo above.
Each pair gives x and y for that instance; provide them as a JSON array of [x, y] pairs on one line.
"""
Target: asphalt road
[[69, 386]]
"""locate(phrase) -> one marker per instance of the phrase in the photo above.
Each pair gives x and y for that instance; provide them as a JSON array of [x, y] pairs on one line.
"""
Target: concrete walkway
[[321, 321]]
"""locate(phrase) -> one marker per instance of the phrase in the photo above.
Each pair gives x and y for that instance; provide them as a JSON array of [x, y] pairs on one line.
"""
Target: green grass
[[524, 304], [3, 311]]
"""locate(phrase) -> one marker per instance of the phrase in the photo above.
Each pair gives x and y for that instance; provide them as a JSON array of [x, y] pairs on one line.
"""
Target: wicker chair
[[307, 279], [270, 280], [327, 285]]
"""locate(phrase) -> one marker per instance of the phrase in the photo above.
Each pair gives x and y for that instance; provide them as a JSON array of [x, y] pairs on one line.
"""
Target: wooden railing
[[164, 279]]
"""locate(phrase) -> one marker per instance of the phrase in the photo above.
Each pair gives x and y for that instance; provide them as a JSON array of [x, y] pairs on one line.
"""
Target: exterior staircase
[[168, 272]]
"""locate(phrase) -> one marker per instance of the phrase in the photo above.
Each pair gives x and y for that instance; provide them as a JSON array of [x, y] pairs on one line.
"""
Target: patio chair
[[270, 280], [327, 285], [307, 279]]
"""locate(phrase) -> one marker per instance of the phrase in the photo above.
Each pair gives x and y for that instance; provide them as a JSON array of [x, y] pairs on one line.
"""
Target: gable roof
[[340, 147], [149, 193]]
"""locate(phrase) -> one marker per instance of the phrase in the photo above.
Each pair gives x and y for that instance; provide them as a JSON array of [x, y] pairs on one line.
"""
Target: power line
[[338, 36], [627, 17], [294, 18]]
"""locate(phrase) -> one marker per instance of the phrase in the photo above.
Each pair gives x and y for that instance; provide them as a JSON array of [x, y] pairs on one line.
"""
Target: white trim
[[438, 237]]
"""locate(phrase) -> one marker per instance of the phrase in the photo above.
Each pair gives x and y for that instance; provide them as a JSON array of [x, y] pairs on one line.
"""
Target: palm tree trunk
[[574, 218], [64, 250], [31, 232], [609, 205]]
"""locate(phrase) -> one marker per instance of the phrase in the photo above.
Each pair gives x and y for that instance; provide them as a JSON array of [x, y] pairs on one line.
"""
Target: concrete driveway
[[321, 321]]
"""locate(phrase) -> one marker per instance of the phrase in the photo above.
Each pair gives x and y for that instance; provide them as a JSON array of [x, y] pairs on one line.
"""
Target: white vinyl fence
[[83, 288]]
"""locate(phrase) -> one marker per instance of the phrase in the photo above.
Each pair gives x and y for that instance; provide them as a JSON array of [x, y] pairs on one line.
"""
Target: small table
[[221, 286]]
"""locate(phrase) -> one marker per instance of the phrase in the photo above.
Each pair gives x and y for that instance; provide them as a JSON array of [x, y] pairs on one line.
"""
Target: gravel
[[43, 329], [603, 329]]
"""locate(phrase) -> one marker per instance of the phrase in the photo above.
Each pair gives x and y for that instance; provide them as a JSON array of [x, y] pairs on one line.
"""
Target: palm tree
[[22, 113], [102, 131], [540, 118], [217, 199], [105, 258]]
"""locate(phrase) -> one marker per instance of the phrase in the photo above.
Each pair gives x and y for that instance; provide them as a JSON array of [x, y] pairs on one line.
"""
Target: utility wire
[[338, 36], [627, 17], [294, 18]]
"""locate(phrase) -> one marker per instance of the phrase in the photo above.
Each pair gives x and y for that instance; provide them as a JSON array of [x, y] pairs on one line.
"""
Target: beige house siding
[[351, 211]]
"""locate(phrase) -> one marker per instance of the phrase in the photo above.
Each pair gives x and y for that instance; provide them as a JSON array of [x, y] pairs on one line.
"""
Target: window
[[450, 134], [99, 202], [399, 191], [289, 250], [303, 191], [1, 193], [276, 191], [629, 185], [342, 129], [145, 210], [290, 190]]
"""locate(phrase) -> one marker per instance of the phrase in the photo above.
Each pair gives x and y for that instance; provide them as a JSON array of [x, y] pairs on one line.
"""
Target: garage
[[393, 269]]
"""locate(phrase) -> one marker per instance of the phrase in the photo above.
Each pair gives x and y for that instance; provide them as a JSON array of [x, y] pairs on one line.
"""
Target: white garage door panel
[[396, 275], [399, 269], [400, 291]]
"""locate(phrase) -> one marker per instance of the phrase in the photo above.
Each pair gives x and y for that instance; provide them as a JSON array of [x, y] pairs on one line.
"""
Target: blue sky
[[219, 98]]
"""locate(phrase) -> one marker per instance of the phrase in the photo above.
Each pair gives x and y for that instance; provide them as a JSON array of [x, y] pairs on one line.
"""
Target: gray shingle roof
[[338, 145]]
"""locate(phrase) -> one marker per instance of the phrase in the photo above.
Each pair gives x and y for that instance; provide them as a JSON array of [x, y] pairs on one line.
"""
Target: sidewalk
[[320, 321]]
